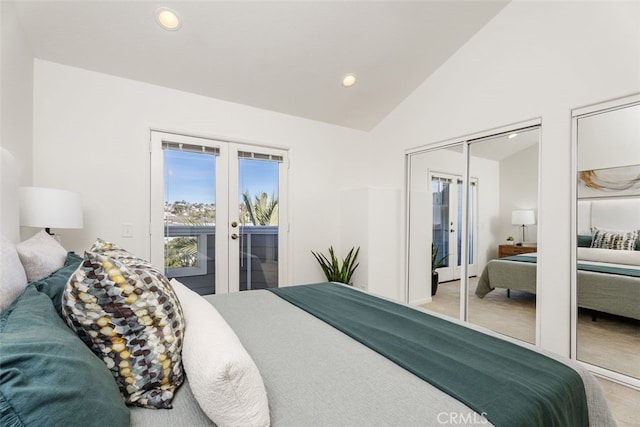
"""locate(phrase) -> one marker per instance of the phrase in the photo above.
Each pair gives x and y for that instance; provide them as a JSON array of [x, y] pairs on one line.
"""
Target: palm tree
[[181, 252], [262, 210]]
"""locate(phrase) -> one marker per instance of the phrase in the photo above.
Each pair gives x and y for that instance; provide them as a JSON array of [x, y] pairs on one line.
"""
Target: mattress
[[317, 376]]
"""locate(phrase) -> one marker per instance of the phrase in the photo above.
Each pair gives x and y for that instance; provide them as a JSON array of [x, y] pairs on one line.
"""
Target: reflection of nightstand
[[509, 250]]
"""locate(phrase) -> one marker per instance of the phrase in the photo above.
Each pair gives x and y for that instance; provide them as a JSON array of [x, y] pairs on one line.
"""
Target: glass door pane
[[190, 215], [258, 213], [440, 193], [446, 226], [472, 227], [218, 213], [471, 231]]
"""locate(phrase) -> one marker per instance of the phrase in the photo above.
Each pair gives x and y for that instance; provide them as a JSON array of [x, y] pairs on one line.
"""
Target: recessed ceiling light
[[349, 80], [513, 135], [168, 19]]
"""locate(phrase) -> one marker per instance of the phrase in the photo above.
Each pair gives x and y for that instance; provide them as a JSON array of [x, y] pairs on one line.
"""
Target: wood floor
[[514, 316]]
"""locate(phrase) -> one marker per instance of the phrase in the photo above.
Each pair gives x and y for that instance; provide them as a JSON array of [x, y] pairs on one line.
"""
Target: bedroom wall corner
[[16, 92]]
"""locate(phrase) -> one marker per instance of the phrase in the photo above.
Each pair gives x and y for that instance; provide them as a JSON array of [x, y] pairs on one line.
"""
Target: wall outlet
[[127, 230]]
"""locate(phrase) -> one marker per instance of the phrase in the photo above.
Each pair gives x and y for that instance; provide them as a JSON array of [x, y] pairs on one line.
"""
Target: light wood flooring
[[514, 316]]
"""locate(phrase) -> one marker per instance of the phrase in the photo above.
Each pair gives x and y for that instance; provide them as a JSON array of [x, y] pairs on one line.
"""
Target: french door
[[446, 193], [218, 213]]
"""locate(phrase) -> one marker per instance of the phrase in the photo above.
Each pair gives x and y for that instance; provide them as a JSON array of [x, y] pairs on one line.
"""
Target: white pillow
[[611, 256], [223, 378], [13, 279], [41, 255]]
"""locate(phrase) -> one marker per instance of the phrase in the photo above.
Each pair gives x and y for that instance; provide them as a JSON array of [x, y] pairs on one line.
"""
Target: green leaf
[[337, 270]]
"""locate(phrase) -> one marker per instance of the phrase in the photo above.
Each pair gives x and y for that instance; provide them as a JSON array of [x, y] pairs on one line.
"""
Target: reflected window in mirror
[[435, 217], [607, 277]]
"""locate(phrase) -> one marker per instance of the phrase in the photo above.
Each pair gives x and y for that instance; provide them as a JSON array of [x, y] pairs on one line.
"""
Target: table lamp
[[523, 218], [50, 208]]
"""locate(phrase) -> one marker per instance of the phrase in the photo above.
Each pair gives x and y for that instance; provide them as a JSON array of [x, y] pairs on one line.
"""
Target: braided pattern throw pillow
[[127, 313]]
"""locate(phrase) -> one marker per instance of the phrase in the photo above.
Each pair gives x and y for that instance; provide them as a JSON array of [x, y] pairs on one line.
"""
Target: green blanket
[[504, 382], [596, 268]]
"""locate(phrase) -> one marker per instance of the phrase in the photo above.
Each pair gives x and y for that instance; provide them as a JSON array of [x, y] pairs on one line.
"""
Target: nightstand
[[509, 250]]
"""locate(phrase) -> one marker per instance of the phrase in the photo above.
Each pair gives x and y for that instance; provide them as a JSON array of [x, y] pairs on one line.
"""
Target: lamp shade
[[50, 208], [523, 217]]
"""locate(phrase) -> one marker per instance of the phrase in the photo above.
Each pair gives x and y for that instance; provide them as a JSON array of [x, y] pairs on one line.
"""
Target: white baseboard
[[420, 301]]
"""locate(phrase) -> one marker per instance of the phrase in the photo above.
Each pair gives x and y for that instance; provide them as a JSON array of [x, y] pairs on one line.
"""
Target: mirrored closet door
[[476, 196], [435, 217], [502, 296], [606, 280]]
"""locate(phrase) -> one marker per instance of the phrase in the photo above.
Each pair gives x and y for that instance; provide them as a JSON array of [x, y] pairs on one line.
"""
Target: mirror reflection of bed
[[608, 325], [503, 177]]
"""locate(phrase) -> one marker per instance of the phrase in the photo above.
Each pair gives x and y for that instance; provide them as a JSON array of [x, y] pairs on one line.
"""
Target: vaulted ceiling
[[284, 56]]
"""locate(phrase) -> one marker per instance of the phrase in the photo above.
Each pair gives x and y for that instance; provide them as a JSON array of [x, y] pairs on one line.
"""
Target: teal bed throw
[[596, 268], [507, 384]]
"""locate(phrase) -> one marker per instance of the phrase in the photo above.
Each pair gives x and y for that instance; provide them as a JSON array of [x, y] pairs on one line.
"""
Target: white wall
[[366, 224], [16, 91], [91, 135], [519, 190], [487, 173], [534, 59]]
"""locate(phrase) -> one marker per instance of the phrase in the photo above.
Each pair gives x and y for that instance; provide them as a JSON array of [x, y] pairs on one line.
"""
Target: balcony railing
[[258, 257]]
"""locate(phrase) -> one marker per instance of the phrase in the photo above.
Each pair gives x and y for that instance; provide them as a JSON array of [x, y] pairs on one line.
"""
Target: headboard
[[9, 182], [608, 214]]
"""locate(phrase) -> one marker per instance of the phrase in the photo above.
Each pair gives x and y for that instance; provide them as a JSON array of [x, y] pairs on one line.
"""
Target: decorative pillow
[[604, 239], [54, 284], [584, 240], [130, 317], [114, 251], [41, 255], [47, 375], [223, 378], [14, 279]]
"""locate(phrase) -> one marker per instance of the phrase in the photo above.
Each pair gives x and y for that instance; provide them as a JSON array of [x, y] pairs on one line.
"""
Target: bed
[[321, 354], [608, 280], [606, 287]]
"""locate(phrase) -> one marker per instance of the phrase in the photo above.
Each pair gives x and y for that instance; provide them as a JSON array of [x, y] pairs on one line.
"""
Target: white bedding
[[610, 257]]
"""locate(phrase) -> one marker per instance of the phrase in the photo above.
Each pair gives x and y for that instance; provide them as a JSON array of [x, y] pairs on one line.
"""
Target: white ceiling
[[286, 56]]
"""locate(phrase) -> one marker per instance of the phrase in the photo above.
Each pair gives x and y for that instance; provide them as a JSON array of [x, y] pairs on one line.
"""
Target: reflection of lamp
[[523, 218], [50, 208]]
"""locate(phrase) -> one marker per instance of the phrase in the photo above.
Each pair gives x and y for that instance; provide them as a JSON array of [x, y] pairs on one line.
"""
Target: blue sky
[[190, 176]]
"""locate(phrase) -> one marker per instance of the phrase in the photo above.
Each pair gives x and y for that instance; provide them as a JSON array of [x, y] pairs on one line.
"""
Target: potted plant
[[510, 240], [435, 264], [336, 270]]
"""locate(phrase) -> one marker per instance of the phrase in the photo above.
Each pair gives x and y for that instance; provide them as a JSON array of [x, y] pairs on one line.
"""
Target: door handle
[[234, 236]]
